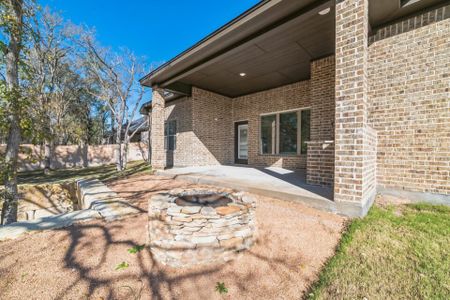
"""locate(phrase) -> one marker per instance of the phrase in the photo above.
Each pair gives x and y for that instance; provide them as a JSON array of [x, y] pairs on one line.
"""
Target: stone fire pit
[[196, 227]]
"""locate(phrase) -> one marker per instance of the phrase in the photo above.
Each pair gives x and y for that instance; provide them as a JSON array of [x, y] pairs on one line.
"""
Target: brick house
[[355, 92]]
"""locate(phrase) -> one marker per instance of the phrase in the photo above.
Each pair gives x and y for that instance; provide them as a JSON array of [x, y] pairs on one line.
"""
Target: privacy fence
[[32, 157]]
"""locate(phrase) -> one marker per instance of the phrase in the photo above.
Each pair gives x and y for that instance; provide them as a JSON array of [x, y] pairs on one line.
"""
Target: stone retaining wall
[[182, 234], [43, 200]]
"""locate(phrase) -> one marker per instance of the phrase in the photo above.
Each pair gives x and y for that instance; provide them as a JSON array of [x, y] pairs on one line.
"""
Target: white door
[[243, 141]]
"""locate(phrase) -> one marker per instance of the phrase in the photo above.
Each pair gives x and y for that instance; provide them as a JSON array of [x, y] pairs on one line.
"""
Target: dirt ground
[[79, 262]]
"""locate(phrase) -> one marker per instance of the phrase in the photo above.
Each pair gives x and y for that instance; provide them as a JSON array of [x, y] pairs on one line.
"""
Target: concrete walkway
[[271, 182], [96, 201]]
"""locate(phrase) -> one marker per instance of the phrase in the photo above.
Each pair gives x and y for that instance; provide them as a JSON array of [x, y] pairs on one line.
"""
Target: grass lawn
[[102, 173], [396, 252]]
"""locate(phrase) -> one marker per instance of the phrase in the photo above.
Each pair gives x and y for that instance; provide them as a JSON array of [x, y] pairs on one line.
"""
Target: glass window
[[243, 141], [306, 129], [170, 135], [288, 133], [268, 134], [280, 132]]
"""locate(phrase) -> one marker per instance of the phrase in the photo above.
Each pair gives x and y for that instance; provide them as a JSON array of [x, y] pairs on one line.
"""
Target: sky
[[155, 29]]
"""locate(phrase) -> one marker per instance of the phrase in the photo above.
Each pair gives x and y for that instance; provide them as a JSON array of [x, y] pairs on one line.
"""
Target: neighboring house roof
[[146, 108], [272, 43], [138, 124]]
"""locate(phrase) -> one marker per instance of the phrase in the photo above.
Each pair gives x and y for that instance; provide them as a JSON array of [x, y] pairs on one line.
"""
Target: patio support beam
[[355, 141], [158, 153]]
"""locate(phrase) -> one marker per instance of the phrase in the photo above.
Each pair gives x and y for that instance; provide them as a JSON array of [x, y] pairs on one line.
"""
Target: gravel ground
[[79, 262]]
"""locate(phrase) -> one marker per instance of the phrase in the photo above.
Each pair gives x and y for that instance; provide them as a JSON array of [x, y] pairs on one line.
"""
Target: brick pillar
[[354, 176], [149, 136], [158, 154]]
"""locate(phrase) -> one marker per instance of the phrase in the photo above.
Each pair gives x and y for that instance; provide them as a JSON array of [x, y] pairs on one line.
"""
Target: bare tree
[[116, 78]]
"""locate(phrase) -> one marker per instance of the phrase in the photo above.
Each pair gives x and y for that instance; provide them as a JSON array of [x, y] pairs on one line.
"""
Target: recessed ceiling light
[[324, 11], [404, 3], [242, 74]]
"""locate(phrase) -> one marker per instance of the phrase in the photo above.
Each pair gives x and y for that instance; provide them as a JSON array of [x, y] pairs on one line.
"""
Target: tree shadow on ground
[[79, 262], [147, 279]]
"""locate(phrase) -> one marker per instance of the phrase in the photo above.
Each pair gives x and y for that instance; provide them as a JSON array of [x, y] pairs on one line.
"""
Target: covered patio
[[284, 85], [266, 100], [271, 182]]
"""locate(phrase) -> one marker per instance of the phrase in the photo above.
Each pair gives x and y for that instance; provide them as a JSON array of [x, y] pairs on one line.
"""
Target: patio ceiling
[[277, 57], [272, 44]]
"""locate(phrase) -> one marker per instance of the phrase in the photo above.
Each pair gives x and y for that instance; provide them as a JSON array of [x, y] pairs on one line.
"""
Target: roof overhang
[[272, 43], [145, 108], [208, 45]]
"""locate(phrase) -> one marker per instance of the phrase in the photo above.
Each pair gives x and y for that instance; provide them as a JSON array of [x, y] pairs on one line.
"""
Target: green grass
[[103, 173], [398, 252]]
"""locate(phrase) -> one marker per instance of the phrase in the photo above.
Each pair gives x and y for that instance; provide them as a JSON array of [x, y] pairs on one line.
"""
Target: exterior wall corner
[[158, 153], [355, 147]]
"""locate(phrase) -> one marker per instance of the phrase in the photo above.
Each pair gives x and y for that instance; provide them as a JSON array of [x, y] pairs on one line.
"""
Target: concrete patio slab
[[271, 182]]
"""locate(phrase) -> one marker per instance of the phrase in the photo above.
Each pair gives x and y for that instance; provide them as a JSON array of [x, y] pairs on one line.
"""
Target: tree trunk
[[125, 151], [85, 153], [47, 156], [12, 82], [119, 162], [48, 141], [12, 152], [113, 133]]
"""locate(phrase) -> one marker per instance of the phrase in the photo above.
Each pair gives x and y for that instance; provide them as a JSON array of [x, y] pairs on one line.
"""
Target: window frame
[[167, 135], [275, 143], [277, 131]]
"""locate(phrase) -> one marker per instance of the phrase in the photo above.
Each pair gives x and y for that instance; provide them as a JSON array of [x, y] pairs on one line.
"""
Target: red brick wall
[[250, 108], [355, 179], [158, 155], [205, 120], [203, 129], [409, 92], [211, 115], [323, 104], [320, 162], [181, 111]]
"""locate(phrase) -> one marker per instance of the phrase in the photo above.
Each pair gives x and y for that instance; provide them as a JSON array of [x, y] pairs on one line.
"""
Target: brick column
[[355, 141], [158, 154]]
